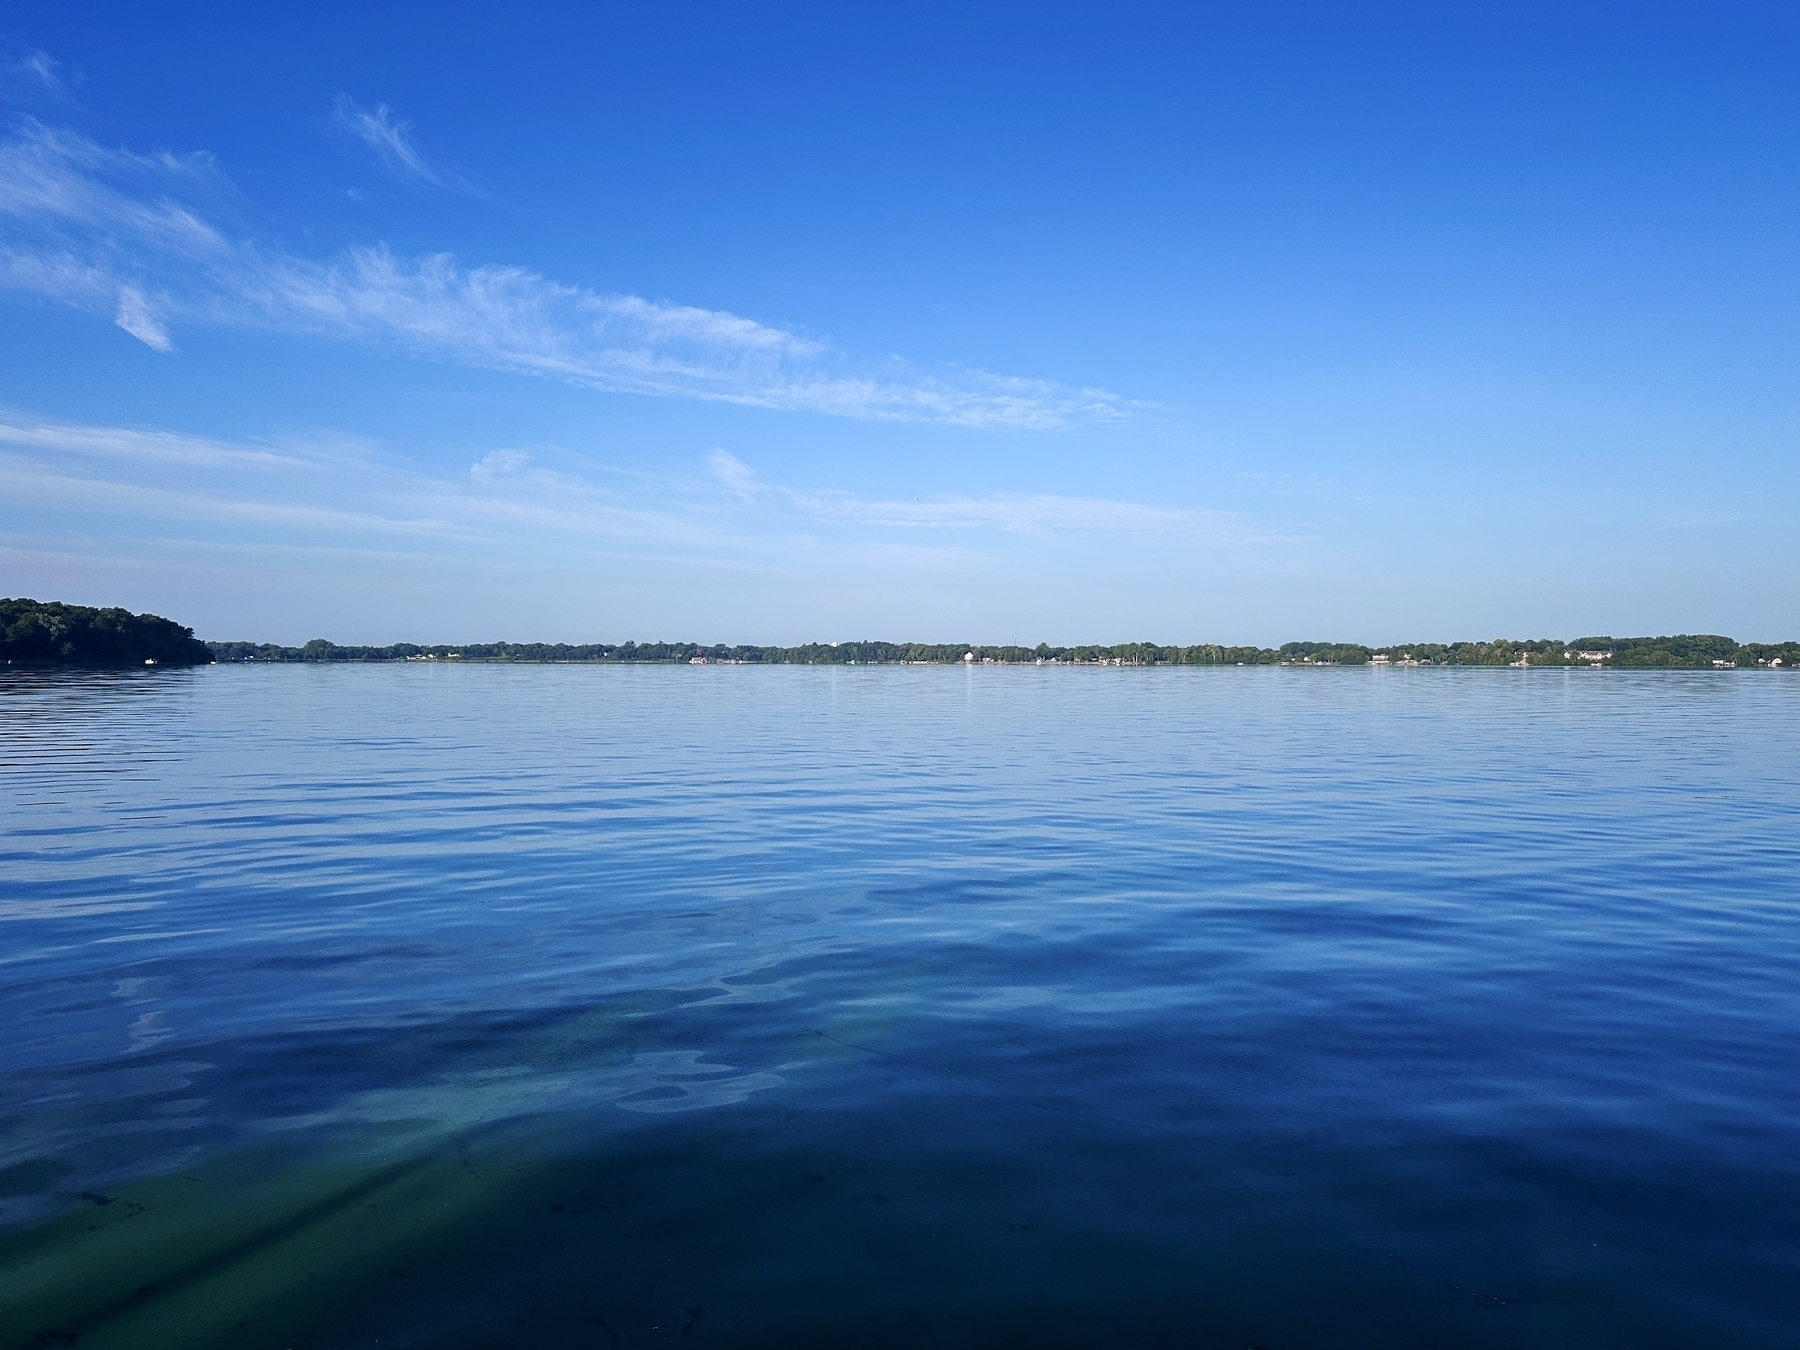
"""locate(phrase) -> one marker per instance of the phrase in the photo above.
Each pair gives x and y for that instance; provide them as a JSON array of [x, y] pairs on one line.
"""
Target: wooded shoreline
[[1683, 652], [51, 633]]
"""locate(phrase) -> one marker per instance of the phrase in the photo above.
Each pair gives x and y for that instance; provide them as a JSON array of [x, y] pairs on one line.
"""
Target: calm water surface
[[601, 1006]]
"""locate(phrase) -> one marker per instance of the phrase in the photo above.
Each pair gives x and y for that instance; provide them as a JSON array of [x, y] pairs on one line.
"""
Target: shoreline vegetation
[[1682, 652], [51, 633]]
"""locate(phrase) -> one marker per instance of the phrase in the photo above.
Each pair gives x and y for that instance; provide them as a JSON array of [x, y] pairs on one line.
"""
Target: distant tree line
[[49, 632], [1684, 651], [33, 631], [1703, 651]]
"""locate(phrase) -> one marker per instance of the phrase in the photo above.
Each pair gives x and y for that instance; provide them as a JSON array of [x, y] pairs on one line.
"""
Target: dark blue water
[[600, 1006]]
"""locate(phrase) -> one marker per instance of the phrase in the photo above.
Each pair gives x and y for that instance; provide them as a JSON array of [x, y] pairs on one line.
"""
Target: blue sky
[[764, 323]]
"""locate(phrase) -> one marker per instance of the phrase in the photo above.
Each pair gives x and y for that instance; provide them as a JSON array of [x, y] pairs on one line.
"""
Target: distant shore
[[1684, 652], [49, 633]]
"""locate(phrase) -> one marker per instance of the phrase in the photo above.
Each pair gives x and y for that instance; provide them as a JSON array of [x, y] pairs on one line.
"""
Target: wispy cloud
[[738, 477], [62, 184], [30, 76], [1023, 513], [499, 463], [139, 238], [1030, 513], [389, 137], [59, 440], [318, 492], [135, 317], [323, 489]]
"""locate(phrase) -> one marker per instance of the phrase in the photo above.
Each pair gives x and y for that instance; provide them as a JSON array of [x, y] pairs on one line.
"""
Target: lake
[[489, 1005]]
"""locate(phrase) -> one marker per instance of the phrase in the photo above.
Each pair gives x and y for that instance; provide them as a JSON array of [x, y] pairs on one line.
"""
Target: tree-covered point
[[1690, 652], [38, 631]]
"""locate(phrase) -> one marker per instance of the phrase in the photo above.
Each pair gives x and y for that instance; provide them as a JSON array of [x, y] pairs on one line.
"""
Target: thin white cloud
[[28, 432], [30, 74], [325, 492], [499, 464], [738, 477], [56, 180], [135, 317], [322, 490], [390, 138], [1024, 513], [47, 490], [56, 276], [135, 236], [1032, 513]]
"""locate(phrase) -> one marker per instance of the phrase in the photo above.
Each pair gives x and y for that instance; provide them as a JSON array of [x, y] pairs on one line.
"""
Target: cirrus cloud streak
[[145, 240]]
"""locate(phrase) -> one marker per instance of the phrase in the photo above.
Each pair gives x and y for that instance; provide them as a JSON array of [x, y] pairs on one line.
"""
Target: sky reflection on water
[[899, 1006]]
